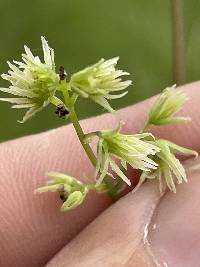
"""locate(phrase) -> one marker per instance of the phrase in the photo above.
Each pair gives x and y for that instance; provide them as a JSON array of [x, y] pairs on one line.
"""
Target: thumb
[[175, 232]]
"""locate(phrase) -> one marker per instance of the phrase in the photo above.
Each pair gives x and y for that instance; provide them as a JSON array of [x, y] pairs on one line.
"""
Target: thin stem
[[74, 120], [178, 42], [89, 136], [146, 127], [81, 136]]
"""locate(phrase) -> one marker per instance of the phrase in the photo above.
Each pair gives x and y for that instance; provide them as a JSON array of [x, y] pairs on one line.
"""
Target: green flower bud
[[167, 104], [72, 192], [74, 199]]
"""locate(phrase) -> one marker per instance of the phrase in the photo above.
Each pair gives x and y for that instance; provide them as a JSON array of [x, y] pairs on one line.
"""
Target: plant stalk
[[179, 65], [79, 131]]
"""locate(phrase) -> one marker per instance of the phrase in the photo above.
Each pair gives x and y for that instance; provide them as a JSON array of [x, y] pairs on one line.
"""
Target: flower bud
[[167, 104], [72, 192], [73, 200]]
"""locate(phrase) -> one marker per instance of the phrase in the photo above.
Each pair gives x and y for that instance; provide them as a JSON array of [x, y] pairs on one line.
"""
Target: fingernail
[[174, 233]]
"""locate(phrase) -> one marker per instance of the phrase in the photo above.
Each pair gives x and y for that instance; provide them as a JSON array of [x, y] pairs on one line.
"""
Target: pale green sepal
[[61, 178], [117, 170], [48, 188], [16, 100], [56, 101], [104, 171], [30, 113], [124, 164], [16, 91], [103, 102], [116, 96], [143, 177], [112, 132], [23, 106], [74, 200], [173, 120], [181, 150], [80, 92]]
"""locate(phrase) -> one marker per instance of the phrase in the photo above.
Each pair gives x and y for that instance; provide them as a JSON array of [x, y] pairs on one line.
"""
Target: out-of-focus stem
[[179, 66]]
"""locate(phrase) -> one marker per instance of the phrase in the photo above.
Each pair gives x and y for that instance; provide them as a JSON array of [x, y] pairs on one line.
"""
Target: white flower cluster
[[100, 82], [129, 149], [169, 167], [33, 82]]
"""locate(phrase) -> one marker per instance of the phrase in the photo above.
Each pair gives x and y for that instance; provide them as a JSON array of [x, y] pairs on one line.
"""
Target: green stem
[[178, 41], [146, 127], [89, 136], [74, 120], [81, 136]]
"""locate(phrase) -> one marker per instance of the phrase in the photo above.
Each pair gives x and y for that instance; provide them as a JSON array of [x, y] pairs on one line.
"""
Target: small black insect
[[63, 197], [61, 111], [62, 73], [63, 194]]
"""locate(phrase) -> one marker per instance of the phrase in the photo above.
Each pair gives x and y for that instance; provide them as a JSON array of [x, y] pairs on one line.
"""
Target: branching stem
[[79, 131]]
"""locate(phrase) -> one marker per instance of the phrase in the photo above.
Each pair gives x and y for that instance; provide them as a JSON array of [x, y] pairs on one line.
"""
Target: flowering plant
[[35, 84]]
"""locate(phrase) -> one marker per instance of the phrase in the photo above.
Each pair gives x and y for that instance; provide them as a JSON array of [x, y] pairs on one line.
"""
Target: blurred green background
[[83, 31]]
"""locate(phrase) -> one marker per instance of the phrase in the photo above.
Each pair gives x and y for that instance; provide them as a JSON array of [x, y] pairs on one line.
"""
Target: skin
[[33, 230]]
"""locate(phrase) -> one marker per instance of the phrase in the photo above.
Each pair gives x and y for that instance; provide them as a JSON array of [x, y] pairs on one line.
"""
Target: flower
[[32, 81], [100, 82], [72, 192], [169, 167], [129, 149], [167, 104]]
